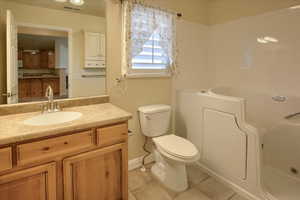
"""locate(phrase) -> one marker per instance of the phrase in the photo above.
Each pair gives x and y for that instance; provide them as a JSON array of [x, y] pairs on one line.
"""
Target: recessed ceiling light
[[261, 40], [77, 2], [61, 1], [294, 7], [270, 39]]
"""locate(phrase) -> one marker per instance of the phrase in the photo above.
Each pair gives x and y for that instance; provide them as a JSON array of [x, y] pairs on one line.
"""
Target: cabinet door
[[37, 183], [51, 59], [36, 88], [36, 60], [100, 174], [46, 83], [27, 61], [24, 88], [94, 46], [31, 60], [54, 83], [44, 59], [47, 59]]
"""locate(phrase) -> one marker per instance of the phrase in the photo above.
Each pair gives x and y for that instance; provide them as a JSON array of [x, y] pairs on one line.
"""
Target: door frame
[[70, 48]]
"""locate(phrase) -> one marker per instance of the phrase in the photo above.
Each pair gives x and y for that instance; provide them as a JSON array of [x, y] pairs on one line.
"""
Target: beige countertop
[[38, 77], [13, 130]]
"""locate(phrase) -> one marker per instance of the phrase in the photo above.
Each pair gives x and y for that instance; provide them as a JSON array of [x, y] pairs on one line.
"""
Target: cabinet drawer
[[94, 64], [112, 134], [50, 148], [5, 159]]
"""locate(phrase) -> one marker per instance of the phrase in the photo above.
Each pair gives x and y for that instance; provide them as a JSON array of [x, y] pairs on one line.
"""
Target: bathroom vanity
[[78, 160]]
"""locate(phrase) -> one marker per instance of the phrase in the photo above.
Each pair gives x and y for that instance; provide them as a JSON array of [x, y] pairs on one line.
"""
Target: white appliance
[[171, 152]]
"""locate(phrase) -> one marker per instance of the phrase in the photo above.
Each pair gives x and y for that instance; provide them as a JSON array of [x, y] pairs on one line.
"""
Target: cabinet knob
[[46, 148]]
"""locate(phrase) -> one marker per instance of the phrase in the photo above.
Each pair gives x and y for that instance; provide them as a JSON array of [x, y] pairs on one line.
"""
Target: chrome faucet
[[51, 106], [49, 95]]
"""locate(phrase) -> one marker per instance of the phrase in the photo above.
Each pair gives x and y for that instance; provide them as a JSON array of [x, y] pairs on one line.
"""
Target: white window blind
[[151, 56]]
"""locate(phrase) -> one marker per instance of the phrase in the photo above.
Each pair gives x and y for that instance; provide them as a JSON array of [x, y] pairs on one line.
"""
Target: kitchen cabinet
[[31, 60], [47, 59], [36, 87], [38, 59], [24, 88], [54, 83]]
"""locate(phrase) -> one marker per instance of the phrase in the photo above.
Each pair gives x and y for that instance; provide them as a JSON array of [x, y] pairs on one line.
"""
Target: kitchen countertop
[[12, 129], [31, 77]]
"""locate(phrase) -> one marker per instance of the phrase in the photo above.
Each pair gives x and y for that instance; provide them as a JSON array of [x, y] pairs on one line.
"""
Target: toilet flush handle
[[148, 117]]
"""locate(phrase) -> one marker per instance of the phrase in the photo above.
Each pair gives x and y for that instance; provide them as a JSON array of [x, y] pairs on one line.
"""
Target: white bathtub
[[243, 140]]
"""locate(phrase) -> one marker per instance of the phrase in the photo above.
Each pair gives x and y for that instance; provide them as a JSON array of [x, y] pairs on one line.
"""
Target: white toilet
[[171, 152]]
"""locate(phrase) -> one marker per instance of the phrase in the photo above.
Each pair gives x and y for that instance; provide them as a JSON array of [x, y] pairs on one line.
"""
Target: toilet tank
[[155, 119]]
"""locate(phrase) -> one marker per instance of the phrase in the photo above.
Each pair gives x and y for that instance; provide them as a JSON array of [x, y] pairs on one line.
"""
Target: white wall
[[260, 71], [192, 41], [194, 72]]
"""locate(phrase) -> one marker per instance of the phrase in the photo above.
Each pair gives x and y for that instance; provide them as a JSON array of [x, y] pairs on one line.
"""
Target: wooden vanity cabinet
[[5, 159], [36, 183], [97, 174], [83, 165]]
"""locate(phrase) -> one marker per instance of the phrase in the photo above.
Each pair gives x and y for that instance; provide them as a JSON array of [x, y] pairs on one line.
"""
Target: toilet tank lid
[[154, 108]]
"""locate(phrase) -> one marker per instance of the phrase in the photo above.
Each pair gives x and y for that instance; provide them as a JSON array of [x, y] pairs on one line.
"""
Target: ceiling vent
[[71, 8]]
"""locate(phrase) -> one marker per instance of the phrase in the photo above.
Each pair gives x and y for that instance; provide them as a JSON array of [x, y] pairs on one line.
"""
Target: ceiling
[[90, 7]]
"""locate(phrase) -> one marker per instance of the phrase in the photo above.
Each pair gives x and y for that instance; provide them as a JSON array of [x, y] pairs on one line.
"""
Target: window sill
[[148, 75]]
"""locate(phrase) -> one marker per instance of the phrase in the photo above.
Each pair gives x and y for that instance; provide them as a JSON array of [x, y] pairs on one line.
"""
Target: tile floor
[[142, 186]]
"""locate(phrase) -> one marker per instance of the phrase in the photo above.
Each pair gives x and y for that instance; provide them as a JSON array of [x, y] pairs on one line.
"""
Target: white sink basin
[[52, 118]]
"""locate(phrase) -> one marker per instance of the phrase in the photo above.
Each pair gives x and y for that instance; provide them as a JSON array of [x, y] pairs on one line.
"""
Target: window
[[151, 56], [149, 41]]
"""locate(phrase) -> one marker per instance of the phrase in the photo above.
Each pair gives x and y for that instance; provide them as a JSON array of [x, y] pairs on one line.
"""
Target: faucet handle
[[44, 108], [56, 107]]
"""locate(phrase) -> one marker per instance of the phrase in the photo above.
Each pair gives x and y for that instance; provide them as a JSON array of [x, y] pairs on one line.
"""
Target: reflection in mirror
[[49, 43]]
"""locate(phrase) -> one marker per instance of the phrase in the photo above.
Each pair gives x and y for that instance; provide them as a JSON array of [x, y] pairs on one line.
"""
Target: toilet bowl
[[171, 152]]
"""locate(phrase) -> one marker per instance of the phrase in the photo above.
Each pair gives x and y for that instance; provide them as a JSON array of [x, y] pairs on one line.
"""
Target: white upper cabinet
[[94, 50]]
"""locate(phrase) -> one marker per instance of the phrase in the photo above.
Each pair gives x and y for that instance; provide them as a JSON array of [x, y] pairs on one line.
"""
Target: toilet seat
[[176, 147]]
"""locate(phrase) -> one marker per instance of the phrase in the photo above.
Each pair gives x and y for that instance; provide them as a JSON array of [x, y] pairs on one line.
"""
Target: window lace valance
[[150, 39]]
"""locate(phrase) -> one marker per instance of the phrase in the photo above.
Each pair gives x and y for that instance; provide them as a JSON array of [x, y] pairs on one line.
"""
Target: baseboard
[[137, 162]]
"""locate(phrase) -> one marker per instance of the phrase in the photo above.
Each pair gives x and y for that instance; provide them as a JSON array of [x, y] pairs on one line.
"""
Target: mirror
[[57, 43]]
